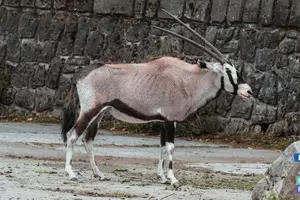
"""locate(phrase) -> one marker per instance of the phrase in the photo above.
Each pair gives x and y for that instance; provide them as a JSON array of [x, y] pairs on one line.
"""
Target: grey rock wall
[[42, 43]]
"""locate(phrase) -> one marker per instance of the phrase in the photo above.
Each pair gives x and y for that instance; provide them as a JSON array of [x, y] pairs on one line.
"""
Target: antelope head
[[231, 81]]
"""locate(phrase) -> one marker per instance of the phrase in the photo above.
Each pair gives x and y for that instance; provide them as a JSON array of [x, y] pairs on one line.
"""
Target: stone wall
[[42, 43]]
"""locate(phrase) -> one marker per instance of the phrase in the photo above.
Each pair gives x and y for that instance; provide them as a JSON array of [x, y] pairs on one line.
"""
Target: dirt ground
[[32, 167]]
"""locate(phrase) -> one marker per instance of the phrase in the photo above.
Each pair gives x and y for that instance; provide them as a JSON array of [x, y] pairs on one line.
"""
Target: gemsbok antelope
[[167, 90]]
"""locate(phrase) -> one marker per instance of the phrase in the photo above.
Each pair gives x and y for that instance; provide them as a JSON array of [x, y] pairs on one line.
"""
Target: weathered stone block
[[29, 50], [187, 47], [77, 60], [139, 8], [173, 6], [223, 103], [81, 36], [44, 28], [270, 39], [151, 8], [13, 47], [14, 3], [28, 25], [60, 4], [25, 99], [237, 126], [266, 12], [211, 34], [3, 48], [251, 11], [298, 45], [22, 75], [253, 78], [263, 113], [292, 34], [241, 108], [57, 28], [53, 73], [47, 51], [198, 10], [8, 95], [235, 10], [218, 11], [268, 92], [114, 6], [27, 3], [264, 59], [79, 5], [44, 99], [295, 15], [291, 125], [43, 4], [10, 20], [38, 79], [224, 40], [248, 44], [287, 46], [281, 12], [136, 31], [62, 90], [94, 44], [65, 47]]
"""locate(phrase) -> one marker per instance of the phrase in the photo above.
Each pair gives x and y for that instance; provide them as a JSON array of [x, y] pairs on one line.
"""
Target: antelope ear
[[214, 66]]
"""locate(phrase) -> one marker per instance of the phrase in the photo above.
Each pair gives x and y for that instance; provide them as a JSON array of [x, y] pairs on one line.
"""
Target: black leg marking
[[169, 131], [170, 165], [163, 137]]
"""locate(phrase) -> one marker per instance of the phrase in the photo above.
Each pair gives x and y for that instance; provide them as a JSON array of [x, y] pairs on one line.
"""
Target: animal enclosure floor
[[32, 166]]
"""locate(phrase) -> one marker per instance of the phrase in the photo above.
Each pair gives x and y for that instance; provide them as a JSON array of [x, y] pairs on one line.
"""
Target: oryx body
[[165, 89]]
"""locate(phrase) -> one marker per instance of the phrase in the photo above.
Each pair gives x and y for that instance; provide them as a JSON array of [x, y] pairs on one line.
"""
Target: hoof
[[176, 185], [101, 178], [74, 178], [164, 181]]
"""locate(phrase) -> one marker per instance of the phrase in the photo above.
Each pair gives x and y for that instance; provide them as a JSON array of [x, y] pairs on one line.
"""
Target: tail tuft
[[69, 113]]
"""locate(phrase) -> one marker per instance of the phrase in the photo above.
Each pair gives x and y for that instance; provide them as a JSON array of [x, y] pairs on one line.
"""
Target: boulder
[[279, 181]]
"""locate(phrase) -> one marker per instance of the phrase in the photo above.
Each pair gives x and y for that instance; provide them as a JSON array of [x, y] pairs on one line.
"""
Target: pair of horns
[[213, 51]]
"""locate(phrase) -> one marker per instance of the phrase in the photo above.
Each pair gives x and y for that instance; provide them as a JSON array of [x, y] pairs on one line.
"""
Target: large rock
[[25, 99], [279, 181], [44, 99]]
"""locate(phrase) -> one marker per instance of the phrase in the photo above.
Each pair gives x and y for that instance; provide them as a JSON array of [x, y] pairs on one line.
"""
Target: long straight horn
[[192, 42], [214, 49]]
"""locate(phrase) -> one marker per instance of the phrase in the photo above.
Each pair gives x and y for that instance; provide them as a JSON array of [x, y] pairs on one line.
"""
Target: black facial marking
[[170, 165], [222, 82], [235, 86], [202, 64], [124, 108]]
